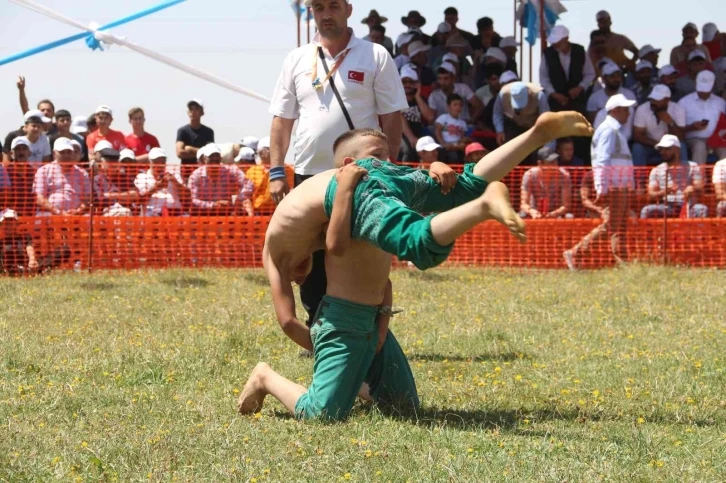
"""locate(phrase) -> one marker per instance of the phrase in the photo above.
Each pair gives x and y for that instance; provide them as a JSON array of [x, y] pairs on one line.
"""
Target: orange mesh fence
[[128, 217]]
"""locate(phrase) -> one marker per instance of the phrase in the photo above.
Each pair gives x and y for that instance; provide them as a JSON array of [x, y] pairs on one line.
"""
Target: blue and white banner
[[528, 16]]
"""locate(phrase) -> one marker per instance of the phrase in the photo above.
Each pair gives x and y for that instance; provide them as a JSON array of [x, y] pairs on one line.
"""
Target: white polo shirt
[[626, 129], [369, 85], [698, 110], [655, 129]]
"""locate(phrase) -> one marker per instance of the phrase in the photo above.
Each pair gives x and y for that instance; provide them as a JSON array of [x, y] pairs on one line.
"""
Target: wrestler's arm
[[337, 239]]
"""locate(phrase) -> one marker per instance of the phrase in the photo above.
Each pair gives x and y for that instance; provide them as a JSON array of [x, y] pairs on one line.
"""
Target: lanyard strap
[[317, 84]]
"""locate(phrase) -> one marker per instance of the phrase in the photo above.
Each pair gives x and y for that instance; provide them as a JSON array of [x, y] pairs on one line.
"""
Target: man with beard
[[416, 117], [612, 76], [653, 120]]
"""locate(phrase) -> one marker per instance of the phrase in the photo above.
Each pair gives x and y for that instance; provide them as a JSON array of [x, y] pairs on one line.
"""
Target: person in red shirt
[[104, 118], [139, 141]]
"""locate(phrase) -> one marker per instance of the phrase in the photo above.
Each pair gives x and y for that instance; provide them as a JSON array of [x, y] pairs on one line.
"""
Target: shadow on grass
[[186, 282], [504, 357], [256, 277], [439, 276], [98, 285]]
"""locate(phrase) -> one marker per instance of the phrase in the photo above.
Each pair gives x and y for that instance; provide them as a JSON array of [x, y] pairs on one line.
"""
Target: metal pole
[[307, 13], [91, 205], [521, 51], [297, 16], [530, 62], [542, 29], [515, 19]]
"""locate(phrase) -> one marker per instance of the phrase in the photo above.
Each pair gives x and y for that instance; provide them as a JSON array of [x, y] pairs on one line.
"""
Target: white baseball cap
[[20, 140], [403, 40], [101, 145], [79, 124], [496, 53], [696, 54], [691, 25], [618, 100], [246, 154], [264, 143], [508, 77], [508, 42], [667, 70], [669, 141], [710, 30], [201, 152], [610, 68], [643, 64], [196, 101], [250, 142], [660, 92], [36, 113], [8, 214], [104, 108], [211, 149], [427, 143], [76, 143], [444, 28], [450, 57], [448, 67], [647, 49], [408, 72], [126, 154], [558, 33], [416, 47], [704, 81], [62, 144], [602, 14], [157, 153]]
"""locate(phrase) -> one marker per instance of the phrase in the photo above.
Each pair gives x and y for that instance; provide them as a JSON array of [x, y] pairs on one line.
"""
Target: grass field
[[550, 376]]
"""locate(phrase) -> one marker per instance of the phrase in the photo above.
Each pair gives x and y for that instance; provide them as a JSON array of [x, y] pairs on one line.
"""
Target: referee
[[335, 84]]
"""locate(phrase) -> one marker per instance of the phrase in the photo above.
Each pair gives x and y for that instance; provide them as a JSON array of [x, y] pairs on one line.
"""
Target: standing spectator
[[650, 54], [680, 54], [487, 92], [612, 166], [45, 106], [612, 76], [447, 86], [104, 118], [675, 184], [458, 51], [418, 54], [714, 41], [414, 21], [416, 117], [451, 130], [719, 185], [139, 141], [616, 44], [370, 89], [643, 81], [5, 184], [703, 110], [39, 145], [79, 127], [213, 187], [653, 120], [61, 187], [427, 149], [161, 191], [63, 124], [487, 37], [451, 17], [696, 64], [191, 137], [597, 51], [17, 253], [21, 173], [377, 33], [438, 45], [566, 72], [114, 190], [546, 188], [509, 46], [517, 108]]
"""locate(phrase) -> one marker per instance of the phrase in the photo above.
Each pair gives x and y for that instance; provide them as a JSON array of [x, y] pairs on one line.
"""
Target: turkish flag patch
[[355, 76]]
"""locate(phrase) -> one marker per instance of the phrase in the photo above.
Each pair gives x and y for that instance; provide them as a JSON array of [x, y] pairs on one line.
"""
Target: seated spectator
[[487, 92], [114, 191], [451, 17], [460, 48], [438, 100], [104, 118], [451, 130], [438, 43], [714, 41], [494, 59], [195, 135], [259, 175], [510, 46], [679, 55], [377, 32], [418, 54], [5, 184], [415, 118], [696, 64], [140, 141], [428, 150], [517, 108], [404, 40], [17, 253], [675, 184], [719, 184], [60, 187], [652, 55], [486, 119], [703, 110], [77, 152], [246, 156], [653, 120], [129, 168], [616, 44], [612, 76], [216, 190], [250, 142], [79, 126], [566, 150], [21, 174], [546, 189], [643, 81], [474, 152], [566, 72], [63, 124], [668, 77], [161, 192]]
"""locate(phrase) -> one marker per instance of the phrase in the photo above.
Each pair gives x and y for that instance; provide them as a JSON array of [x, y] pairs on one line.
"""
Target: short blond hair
[[135, 110]]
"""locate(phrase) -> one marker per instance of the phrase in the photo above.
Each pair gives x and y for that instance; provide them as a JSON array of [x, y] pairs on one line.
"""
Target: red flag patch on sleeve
[[355, 76]]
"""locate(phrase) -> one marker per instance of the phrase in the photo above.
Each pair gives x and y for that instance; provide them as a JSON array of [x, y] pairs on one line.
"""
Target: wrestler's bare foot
[[253, 394], [497, 206], [365, 393], [554, 125]]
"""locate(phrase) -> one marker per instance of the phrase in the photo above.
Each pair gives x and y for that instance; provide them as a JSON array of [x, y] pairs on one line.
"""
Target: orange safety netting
[[122, 233]]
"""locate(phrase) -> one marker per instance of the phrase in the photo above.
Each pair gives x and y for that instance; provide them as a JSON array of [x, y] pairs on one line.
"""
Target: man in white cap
[[653, 120], [459, 47], [214, 187], [509, 46], [697, 63], [493, 60], [427, 149], [680, 53], [160, 190], [193, 136], [650, 54], [566, 72], [250, 142], [703, 110], [668, 76], [79, 126], [719, 186], [612, 77], [616, 44], [104, 118], [438, 45], [416, 117], [17, 253], [245, 156], [516, 110], [61, 187], [447, 85], [714, 40], [675, 185], [263, 151], [402, 43], [39, 143], [418, 53], [642, 81], [112, 187], [21, 174]]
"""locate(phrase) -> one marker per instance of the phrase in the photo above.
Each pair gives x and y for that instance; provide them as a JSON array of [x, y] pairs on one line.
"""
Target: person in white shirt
[[703, 110], [719, 185], [675, 184], [160, 190], [39, 144], [653, 120], [446, 76], [612, 169], [451, 130], [612, 77]]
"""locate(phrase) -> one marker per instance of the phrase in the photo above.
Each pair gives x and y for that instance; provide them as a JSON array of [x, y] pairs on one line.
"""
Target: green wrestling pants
[[387, 206]]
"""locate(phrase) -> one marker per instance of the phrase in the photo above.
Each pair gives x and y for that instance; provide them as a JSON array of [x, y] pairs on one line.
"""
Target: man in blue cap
[[516, 109]]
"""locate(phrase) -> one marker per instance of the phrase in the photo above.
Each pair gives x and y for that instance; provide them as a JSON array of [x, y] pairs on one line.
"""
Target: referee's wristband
[[278, 172]]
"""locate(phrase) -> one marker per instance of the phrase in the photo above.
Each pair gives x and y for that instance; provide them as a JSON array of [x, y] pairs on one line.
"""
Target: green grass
[[549, 376]]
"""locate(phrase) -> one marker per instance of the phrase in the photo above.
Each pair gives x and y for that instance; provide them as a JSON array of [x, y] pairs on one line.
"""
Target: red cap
[[474, 147]]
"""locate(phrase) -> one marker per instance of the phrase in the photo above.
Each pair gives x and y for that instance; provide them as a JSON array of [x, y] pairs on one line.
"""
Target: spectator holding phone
[[703, 110]]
